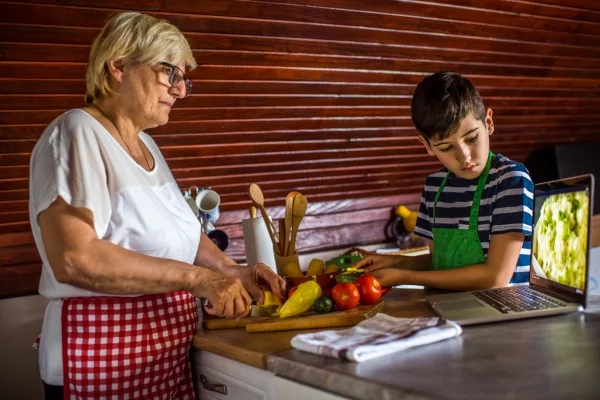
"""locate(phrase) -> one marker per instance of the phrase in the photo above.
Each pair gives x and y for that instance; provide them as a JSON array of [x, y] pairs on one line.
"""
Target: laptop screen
[[561, 236]]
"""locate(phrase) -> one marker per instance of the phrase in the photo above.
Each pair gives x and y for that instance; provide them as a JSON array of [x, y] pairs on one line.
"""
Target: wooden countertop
[[253, 348]]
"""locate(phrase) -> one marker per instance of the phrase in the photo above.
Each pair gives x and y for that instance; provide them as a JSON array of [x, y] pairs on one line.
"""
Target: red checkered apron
[[128, 347]]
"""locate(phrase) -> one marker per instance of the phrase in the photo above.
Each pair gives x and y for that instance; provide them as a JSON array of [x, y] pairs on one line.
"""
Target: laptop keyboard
[[517, 299]]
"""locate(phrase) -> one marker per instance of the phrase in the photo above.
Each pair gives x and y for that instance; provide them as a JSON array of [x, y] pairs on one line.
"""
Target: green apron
[[455, 248]]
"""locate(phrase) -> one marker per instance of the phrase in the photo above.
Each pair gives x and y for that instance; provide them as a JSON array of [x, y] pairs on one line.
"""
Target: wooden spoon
[[291, 195], [289, 209], [258, 199], [283, 241], [300, 205]]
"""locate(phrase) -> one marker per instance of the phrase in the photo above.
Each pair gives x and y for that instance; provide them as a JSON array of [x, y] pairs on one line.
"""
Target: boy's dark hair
[[440, 103]]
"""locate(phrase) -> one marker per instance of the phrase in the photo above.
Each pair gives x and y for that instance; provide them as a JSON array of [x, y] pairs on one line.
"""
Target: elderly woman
[[123, 254]]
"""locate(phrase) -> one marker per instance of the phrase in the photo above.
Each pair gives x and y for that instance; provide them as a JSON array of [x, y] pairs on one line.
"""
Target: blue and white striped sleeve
[[513, 206], [423, 227]]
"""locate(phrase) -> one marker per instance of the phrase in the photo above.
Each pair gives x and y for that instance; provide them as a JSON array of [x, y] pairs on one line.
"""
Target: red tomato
[[345, 295], [369, 289], [291, 292]]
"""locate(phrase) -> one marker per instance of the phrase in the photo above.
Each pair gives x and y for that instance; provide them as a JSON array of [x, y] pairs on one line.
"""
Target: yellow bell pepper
[[292, 270], [270, 300], [409, 218], [302, 299], [315, 267]]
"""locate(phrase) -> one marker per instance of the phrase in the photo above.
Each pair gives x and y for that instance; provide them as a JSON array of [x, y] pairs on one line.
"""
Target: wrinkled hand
[[257, 277], [388, 277], [374, 262], [226, 295]]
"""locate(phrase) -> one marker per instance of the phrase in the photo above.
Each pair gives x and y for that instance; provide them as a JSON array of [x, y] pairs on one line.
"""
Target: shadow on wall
[[20, 323], [562, 161]]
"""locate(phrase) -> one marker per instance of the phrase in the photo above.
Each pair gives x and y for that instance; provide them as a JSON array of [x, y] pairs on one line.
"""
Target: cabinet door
[[234, 389], [241, 381], [281, 388]]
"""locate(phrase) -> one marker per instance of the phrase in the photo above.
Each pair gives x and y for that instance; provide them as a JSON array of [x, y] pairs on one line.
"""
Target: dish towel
[[376, 337]]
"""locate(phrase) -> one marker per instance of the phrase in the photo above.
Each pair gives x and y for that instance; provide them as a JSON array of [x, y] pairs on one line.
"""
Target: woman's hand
[[225, 294], [374, 262], [257, 277]]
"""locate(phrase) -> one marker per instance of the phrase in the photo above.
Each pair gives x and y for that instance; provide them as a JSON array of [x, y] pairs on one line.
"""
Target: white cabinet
[[220, 378], [281, 388], [238, 381]]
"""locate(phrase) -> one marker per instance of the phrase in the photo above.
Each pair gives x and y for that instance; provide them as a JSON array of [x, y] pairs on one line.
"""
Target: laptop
[[560, 252]]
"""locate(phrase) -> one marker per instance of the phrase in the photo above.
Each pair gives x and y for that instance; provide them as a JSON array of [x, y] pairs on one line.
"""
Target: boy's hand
[[375, 262], [389, 277]]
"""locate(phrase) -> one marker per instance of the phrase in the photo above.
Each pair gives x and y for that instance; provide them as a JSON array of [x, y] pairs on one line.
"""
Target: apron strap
[[474, 215], [437, 196]]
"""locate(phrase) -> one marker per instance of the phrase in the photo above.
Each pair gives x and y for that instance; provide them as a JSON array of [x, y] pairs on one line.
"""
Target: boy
[[477, 211]]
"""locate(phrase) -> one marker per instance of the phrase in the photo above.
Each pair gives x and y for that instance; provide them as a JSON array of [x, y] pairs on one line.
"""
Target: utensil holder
[[282, 261]]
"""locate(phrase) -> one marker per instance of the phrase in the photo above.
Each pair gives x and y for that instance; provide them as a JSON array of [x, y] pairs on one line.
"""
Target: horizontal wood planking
[[312, 95], [20, 279], [327, 223]]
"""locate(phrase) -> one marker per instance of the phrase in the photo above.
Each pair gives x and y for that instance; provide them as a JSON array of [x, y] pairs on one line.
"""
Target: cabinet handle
[[213, 387]]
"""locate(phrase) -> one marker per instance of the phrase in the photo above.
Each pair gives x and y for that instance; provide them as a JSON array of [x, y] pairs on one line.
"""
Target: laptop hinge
[[558, 295]]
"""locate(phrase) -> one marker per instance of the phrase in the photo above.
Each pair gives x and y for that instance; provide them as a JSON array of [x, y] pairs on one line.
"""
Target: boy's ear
[[425, 143], [489, 122], [115, 69]]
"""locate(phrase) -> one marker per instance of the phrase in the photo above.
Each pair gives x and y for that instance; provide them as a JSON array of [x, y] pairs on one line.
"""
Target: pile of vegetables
[[350, 288], [345, 295]]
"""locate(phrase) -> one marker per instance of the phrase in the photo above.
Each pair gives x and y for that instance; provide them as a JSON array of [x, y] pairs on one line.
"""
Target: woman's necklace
[[123, 140]]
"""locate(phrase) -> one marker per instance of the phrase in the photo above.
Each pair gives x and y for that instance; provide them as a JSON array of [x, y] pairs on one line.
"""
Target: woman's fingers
[[228, 298], [247, 299], [209, 309], [276, 282], [212, 309], [255, 292], [241, 308]]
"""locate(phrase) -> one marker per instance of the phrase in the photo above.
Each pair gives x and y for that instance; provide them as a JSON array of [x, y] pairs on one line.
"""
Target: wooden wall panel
[[312, 95]]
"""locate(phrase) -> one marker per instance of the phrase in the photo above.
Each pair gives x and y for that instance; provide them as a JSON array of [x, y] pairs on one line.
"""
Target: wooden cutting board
[[309, 320]]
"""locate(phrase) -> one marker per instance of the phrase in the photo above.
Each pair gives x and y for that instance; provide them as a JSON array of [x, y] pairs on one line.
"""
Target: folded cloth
[[376, 337]]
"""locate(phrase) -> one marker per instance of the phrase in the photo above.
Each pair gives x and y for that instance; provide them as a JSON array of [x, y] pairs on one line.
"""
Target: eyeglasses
[[176, 75]]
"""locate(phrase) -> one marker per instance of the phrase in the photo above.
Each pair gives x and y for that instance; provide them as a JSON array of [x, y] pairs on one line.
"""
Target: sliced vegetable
[[348, 277], [270, 300]]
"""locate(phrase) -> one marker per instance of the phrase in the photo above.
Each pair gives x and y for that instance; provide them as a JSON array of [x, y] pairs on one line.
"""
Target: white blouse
[[78, 159]]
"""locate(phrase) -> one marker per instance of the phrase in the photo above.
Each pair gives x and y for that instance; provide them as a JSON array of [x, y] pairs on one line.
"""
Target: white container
[[257, 242]]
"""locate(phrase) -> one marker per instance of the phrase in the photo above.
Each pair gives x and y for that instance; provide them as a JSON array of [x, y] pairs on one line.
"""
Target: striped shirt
[[506, 206]]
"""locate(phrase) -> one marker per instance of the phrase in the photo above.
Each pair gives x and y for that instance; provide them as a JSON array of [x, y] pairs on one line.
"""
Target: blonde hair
[[138, 39]]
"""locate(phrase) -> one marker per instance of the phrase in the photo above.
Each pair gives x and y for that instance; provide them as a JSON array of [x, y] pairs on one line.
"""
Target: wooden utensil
[[307, 321], [329, 320], [282, 236], [258, 199], [214, 323], [289, 209], [299, 210], [291, 194]]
